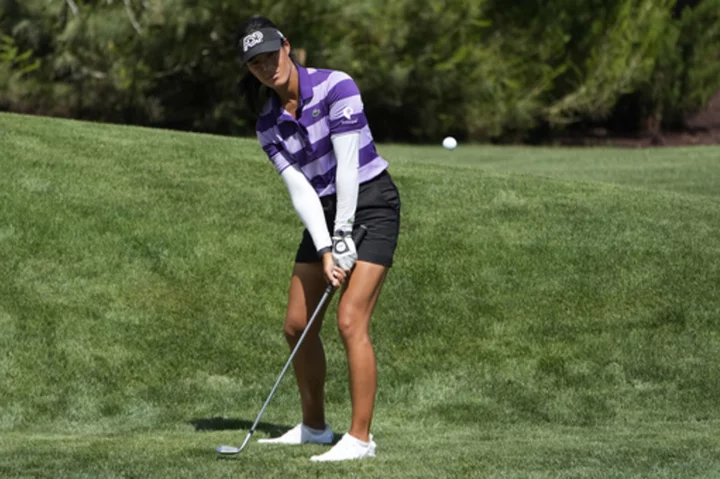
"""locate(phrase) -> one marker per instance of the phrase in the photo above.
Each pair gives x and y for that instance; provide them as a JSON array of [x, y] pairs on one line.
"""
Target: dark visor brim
[[265, 47]]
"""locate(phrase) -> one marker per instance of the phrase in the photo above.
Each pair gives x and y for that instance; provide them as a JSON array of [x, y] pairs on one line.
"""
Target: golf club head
[[227, 450], [230, 450]]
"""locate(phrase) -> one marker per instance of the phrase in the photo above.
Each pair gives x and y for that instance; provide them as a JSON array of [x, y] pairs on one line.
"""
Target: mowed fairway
[[551, 313]]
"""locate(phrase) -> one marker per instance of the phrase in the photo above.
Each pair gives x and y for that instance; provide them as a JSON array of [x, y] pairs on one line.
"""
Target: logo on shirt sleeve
[[347, 114]]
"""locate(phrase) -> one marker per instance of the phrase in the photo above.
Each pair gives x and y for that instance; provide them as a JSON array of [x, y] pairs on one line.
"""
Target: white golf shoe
[[347, 449], [301, 434]]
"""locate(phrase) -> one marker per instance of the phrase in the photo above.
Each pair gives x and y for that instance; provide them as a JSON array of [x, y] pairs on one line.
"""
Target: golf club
[[229, 450]]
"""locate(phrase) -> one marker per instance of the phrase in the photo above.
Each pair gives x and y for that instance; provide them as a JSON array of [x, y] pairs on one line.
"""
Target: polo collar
[[306, 91]]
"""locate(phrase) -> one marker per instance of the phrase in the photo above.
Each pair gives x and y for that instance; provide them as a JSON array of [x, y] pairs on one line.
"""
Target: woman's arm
[[307, 205], [347, 152]]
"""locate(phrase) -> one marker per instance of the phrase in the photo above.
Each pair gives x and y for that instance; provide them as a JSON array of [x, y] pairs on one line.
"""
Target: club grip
[[359, 235]]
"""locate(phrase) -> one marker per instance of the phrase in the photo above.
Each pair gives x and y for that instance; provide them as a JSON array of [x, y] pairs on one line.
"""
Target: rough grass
[[551, 313]]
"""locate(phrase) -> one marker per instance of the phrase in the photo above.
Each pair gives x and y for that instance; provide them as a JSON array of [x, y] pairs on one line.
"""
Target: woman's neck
[[290, 92]]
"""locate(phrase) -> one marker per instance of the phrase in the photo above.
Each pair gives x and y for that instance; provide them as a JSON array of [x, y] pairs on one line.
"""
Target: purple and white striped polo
[[329, 104]]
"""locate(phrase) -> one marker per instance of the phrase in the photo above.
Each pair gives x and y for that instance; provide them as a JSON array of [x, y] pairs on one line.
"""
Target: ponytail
[[255, 93]]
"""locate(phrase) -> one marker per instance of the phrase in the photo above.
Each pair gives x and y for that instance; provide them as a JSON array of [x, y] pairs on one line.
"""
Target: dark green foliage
[[480, 70], [688, 71]]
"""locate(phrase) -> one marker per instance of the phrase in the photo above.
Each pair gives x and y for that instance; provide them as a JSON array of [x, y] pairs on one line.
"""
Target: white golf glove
[[343, 249]]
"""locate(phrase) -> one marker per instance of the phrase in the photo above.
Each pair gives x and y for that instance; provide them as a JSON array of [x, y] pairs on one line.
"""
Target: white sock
[[317, 432], [358, 440]]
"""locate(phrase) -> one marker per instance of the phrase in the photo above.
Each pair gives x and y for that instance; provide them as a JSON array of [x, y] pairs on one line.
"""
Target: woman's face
[[273, 69]]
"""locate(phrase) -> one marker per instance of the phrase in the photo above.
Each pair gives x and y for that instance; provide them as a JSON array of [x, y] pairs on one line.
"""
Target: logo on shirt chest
[[316, 112]]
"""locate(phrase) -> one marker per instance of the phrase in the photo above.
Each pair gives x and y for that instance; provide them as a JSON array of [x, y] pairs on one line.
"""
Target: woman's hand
[[344, 250], [333, 273]]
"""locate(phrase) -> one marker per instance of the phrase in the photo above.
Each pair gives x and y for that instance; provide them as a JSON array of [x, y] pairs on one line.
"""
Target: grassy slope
[[552, 311]]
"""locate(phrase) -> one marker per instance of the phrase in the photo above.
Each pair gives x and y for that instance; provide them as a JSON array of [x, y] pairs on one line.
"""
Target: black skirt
[[378, 208]]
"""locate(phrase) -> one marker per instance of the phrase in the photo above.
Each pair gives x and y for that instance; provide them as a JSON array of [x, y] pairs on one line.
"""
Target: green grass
[[551, 313]]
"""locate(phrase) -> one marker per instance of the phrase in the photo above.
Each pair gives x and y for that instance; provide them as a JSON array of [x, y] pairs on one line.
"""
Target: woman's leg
[[307, 286], [354, 311]]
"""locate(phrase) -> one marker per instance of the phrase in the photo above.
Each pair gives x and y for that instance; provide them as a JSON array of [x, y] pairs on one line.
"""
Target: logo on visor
[[347, 112], [252, 40]]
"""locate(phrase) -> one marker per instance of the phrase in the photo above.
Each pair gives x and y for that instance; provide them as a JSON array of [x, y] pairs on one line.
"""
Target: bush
[[688, 73], [475, 69], [15, 64]]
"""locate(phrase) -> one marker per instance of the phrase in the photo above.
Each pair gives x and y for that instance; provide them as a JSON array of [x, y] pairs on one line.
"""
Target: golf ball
[[449, 143]]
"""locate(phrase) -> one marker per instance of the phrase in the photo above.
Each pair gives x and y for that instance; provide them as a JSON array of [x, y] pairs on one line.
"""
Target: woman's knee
[[294, 327], [306, 288], [352, 320]]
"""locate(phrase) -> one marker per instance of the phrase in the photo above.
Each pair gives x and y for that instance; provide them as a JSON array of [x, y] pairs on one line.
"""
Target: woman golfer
[[312, 126]]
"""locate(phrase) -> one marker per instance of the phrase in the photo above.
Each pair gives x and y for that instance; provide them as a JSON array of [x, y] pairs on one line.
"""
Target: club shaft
[[321, 304], [358, 237]]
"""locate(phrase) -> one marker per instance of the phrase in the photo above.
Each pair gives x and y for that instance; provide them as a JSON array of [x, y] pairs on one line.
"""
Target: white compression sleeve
[[347, 152], [307, 205]]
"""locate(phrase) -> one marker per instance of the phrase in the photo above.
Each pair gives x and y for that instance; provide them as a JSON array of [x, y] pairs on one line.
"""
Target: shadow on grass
[[225, 424], [228, 424]]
